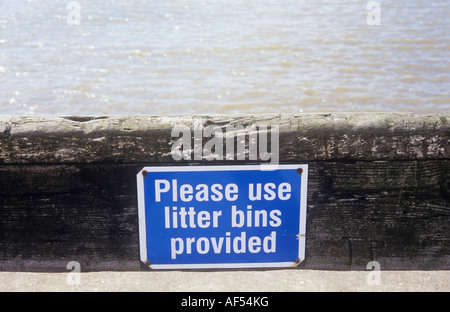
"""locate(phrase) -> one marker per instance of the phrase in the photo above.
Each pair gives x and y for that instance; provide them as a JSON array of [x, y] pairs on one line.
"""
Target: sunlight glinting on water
[[237, 56]]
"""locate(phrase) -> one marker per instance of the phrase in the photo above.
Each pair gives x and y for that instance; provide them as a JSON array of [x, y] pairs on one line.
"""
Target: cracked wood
[[379, 187]]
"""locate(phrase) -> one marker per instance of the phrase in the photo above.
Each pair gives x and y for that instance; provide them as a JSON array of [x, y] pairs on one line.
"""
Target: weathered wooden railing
[[379, 187]]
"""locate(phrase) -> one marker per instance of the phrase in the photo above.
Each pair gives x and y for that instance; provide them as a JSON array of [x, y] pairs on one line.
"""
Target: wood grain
[[379, 187]]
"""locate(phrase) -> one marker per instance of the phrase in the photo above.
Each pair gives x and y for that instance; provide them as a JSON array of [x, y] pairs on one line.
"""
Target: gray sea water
[[234, 56]]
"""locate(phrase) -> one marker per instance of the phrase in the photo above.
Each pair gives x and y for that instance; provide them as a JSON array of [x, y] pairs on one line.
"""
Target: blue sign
[[222, 216]]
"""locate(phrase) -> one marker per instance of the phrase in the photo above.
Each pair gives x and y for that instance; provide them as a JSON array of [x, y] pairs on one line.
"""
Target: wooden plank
[[85, 213], [61, 201], [88, 213], [356, 136]]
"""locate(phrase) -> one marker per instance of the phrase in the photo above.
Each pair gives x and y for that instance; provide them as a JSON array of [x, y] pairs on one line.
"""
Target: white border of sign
[[302, 229]]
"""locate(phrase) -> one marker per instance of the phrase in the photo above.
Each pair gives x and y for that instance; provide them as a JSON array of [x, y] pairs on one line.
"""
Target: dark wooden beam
[[379, 187]]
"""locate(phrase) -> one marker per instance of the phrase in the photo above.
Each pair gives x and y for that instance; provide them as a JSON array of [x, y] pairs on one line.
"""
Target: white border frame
[[142, 224]]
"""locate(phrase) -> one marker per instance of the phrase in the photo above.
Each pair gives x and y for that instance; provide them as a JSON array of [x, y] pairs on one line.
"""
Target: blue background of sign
[[159, 238]]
